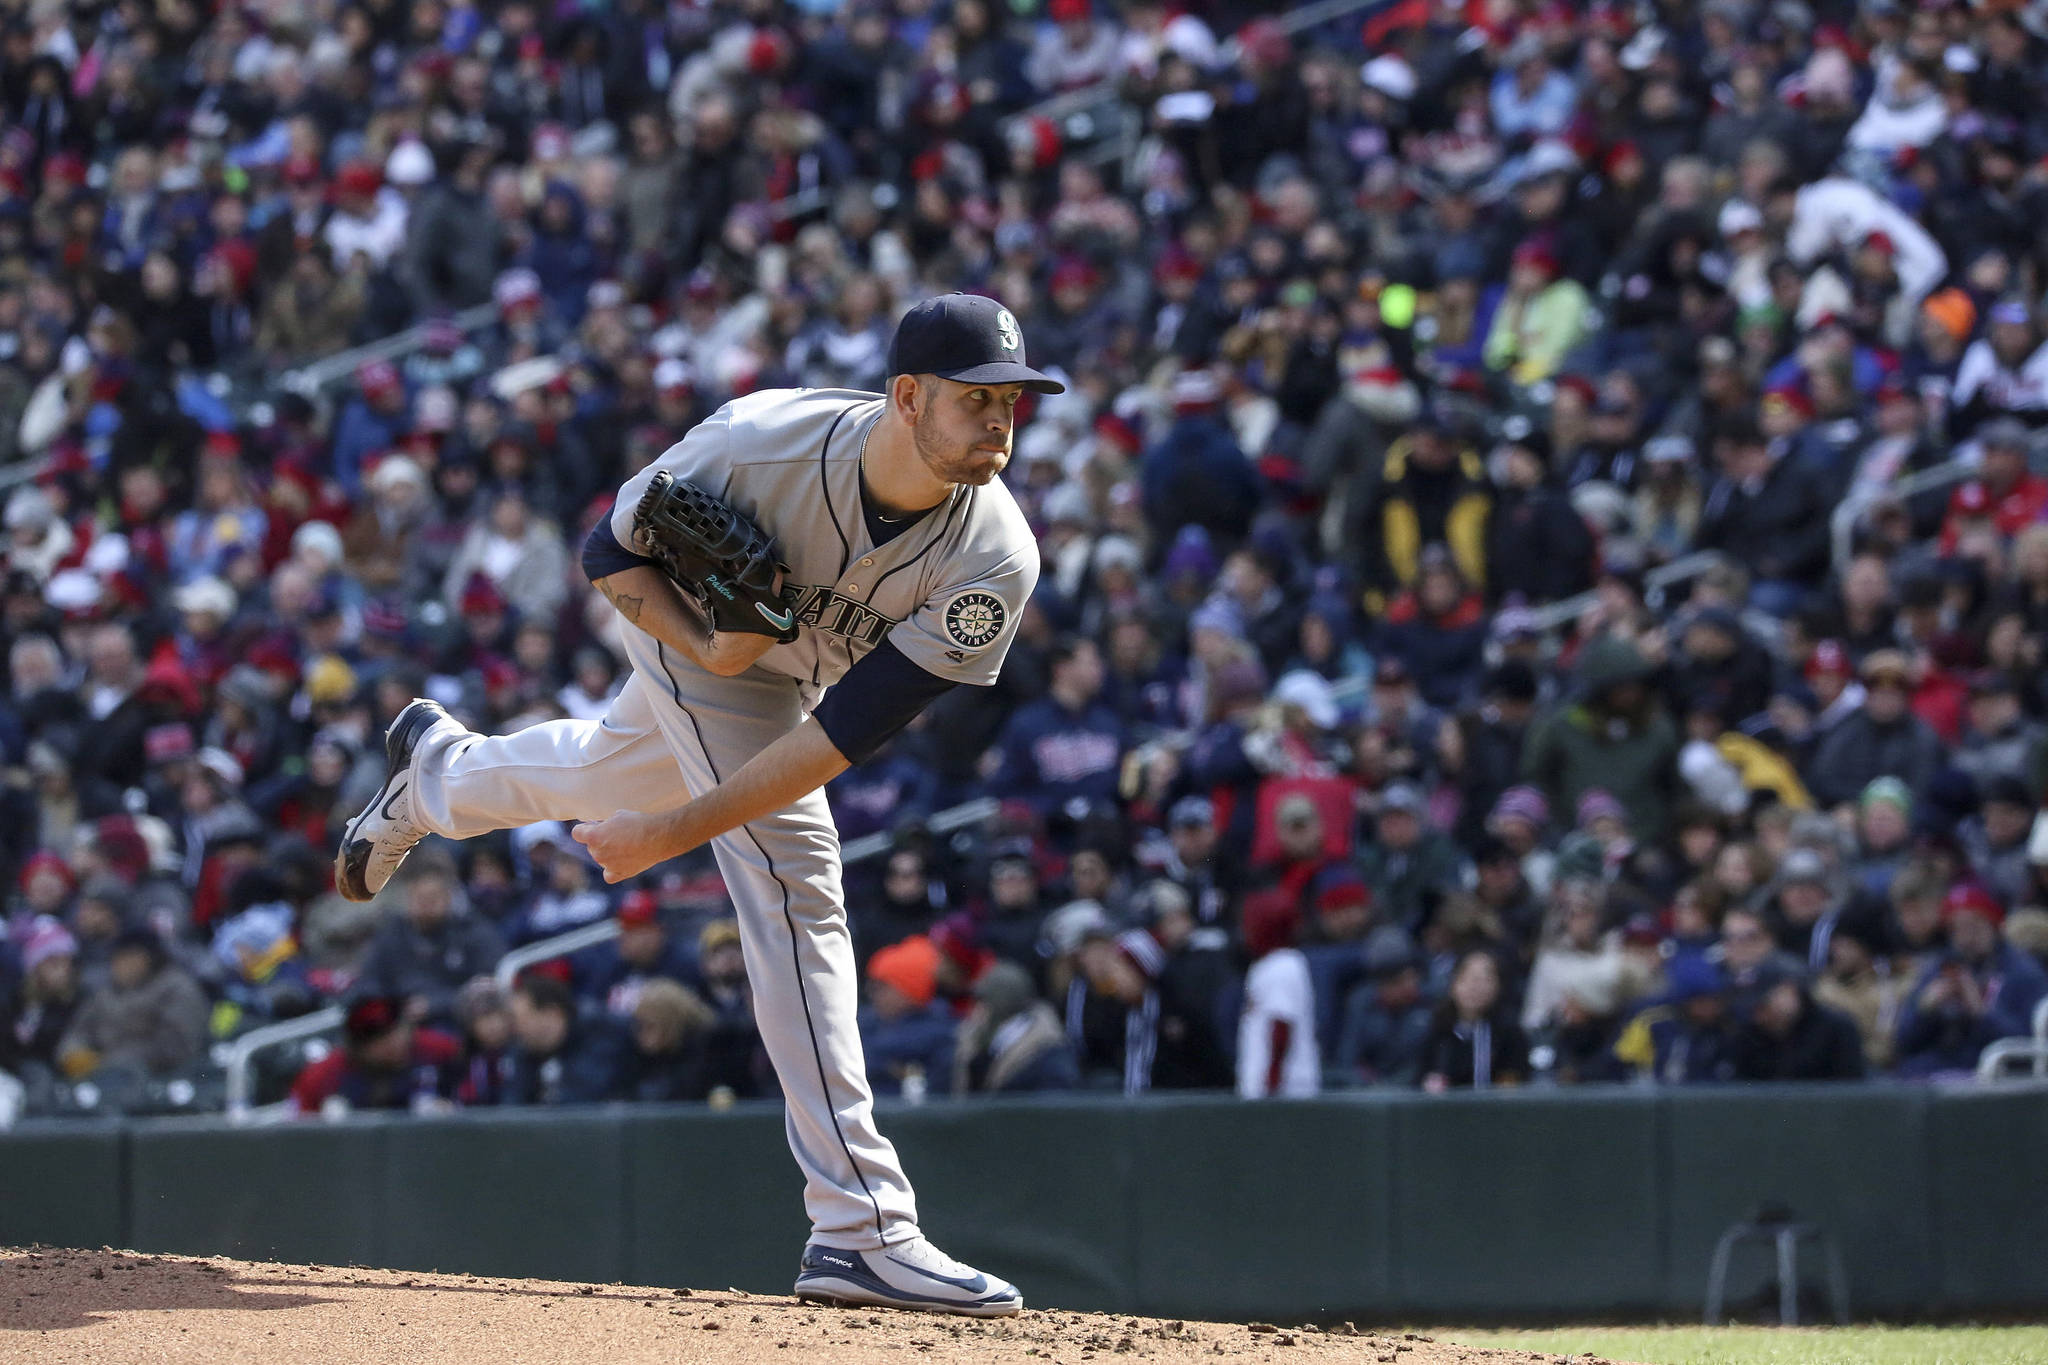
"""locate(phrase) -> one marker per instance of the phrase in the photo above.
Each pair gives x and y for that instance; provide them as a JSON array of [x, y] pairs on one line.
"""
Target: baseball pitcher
[[802, 574]]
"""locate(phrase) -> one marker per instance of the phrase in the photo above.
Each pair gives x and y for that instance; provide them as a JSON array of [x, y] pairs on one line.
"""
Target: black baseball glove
[[717, 555]]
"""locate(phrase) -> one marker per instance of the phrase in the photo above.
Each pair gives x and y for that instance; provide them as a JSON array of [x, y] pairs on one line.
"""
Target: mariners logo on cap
[[975, 618], [1012, 337]]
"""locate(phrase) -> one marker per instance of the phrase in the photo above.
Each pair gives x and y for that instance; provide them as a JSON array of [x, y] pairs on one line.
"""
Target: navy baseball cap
[[968, 339]]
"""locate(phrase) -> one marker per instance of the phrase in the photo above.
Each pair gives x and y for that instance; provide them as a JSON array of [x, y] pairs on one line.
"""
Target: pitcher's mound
[[116, 1306]]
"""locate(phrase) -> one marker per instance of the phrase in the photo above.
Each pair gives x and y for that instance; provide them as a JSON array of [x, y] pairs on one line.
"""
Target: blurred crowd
[[1545, 574]]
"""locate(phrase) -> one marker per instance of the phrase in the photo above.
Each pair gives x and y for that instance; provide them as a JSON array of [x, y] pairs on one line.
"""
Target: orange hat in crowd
[[912, 967], [1953, 309]]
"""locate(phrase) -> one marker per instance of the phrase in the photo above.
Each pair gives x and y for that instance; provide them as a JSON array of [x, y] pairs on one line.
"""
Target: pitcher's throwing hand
[[625, 845]]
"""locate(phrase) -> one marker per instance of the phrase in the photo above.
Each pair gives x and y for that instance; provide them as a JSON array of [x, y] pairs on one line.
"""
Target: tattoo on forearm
[[627, 606]]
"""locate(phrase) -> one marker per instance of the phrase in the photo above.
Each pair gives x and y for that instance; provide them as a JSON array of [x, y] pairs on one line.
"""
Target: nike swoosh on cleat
[[393, 797], [781, 622], [977, 1285]]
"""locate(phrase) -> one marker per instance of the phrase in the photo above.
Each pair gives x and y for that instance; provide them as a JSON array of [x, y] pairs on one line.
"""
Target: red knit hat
[[1970, 898], [46, 861], [639, 910], [1829, 659]]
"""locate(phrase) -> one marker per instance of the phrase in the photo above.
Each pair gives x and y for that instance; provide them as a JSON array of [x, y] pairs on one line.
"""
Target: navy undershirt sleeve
[[878, 696], [603, 555]]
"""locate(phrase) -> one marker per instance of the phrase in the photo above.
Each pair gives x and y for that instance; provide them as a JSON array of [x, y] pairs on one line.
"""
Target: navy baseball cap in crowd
[[968, 339]]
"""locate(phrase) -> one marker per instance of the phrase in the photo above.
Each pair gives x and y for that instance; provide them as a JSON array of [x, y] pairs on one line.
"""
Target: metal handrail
[[942, 822], [546, 950], [1992, 1061], [310, 379], [239, 1054], [1551, 615], [1108, 92], [605, 930], [1842, 524], [242, 1051]]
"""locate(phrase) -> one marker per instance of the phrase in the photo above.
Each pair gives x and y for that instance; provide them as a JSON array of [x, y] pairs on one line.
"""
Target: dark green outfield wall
[[1373, 1207]]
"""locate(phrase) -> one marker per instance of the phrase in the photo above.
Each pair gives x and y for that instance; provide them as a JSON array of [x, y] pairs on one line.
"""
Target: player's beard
[[951, 463]]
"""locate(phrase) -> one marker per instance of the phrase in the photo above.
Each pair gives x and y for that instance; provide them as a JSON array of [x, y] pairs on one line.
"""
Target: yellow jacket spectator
[[1432, 489], [1540, 318]]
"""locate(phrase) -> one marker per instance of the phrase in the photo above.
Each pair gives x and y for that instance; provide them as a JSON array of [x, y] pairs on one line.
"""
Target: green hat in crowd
[[1888, 791]]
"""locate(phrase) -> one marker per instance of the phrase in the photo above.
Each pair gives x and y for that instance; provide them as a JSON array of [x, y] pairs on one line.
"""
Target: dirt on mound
[[116, 1306]]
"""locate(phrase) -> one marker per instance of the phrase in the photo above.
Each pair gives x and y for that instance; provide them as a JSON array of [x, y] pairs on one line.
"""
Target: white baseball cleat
[[383, 833], [913, 1274]]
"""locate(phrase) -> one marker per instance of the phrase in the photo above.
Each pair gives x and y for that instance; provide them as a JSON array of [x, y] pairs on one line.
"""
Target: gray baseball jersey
[[948, 592]]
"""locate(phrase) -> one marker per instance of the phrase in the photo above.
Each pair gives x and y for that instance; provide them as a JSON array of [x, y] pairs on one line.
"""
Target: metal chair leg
[[1717, 1273], [1788, 1277], [1838, 1280]]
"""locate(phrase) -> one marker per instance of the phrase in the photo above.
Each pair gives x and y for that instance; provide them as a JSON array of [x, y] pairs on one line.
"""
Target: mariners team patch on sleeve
[[975, 618]]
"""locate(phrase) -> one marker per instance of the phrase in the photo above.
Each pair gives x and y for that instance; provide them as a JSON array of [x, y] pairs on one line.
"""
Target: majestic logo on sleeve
[[1008, 333], [975, 617]]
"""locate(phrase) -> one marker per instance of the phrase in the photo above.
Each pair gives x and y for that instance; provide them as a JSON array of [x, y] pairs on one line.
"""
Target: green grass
[[1780, 1346]]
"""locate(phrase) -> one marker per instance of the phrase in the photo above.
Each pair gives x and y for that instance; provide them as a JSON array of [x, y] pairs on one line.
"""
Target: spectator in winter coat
[[1884, 837], [1804, 908], [1614, 736], [1410, 865], [451, 247], [1721, 668], [557, 1058], [1474, 1042], [1438, 629], [1997, 839], [1768, 513], [1882, 739], [1998, 739], [613, 974], [1580, 974], [670, 1057], [1540, 319], [1838, 213], [1197, 475], [560, 252], [1387, 1017], [1196, 976], [384, 1062], [739, 1060], [370, 423], [150, 1018], [906, 1032], [1688, 1038], [1068, 744], [1786, 1036], [1432, 490], [1481, 751], [1529, 96], [2007, 492], [1011, 1041], [424, 954], [43, 1004], [1277, 1054], [1113, 1009], [1536, 540], [1860, 984], [519, 553], [910, 901], [1980, 990], [2004, 373]]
